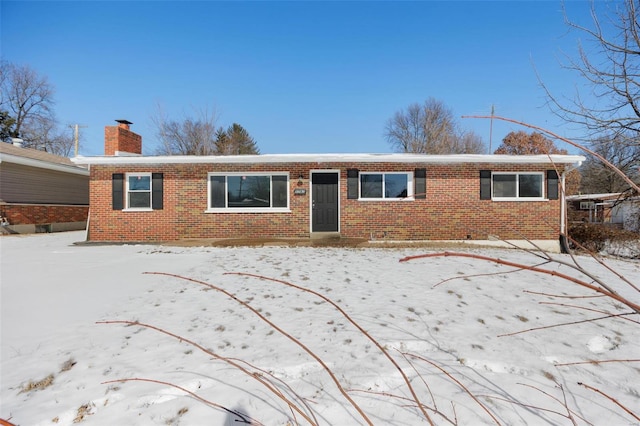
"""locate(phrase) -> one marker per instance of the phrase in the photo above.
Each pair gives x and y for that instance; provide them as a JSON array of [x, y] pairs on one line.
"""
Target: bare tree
[[26, 110], [4, 70], [44, 134], [470, 143], [25, 95], [611, 69], [625, 155], [430, 128], [191, 136], [199, 135]]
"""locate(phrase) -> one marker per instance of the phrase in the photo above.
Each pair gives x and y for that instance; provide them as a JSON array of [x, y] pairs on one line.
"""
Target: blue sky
[[301, 77]]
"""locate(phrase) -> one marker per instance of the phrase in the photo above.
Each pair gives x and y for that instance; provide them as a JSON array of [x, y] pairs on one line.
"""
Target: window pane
[[395, 185], [248, 191], [504, 185], [530, 186], [280, 193], [217, 192], [370, 186], [139, 183], [139, 200]]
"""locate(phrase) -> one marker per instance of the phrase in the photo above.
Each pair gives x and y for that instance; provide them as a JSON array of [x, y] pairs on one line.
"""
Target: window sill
[[249, 210], [387, 200], [522, 199], [144, 209]]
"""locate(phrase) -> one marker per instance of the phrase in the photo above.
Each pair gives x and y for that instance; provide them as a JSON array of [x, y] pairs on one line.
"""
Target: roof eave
[[24, 161], [326, 158]]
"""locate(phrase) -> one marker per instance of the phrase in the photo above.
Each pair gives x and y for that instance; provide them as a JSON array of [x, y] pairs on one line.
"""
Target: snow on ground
[[454, 317]]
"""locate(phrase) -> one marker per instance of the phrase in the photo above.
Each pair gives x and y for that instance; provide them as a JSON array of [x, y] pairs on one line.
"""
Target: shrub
[[597, 237]]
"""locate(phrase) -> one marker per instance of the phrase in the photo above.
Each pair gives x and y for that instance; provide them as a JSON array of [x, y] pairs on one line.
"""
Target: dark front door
[[324, 202]]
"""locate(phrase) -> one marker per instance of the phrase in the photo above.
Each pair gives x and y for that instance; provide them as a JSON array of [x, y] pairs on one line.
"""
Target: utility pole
[[491, 128], [76, 137]]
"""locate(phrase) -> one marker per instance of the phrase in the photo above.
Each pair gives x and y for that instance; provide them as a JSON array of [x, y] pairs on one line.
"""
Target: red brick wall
[[42, 214], [452, 210], [120, 138]]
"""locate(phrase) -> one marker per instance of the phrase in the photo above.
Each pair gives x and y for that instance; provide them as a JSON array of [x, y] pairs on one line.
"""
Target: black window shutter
[[156, 191], [217, 192], [485, 184], [352, 183], [420, 183], [117, 191], [552, 185]]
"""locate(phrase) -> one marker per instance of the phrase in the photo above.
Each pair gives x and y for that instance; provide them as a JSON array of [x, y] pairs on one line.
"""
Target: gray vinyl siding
[[31, 185]]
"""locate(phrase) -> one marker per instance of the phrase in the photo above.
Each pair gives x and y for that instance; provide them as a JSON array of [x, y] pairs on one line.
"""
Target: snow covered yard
[[451, 324]]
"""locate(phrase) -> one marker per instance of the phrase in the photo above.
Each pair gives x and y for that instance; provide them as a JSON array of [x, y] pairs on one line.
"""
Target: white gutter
[[332, 158], [15, 159]]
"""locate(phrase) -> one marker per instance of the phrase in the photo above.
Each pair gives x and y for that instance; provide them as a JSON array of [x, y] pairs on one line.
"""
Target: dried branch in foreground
[[564, 324], [229, 361], [355, 324], [450, 376], [243, 417], [596, 362], [607, 293], [281, 331], [615, 401], [621, 316], [626, 178]]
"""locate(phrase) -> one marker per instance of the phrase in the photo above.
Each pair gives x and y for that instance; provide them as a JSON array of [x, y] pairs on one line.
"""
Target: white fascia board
[[332, 158], [8, 158], [594, 196]]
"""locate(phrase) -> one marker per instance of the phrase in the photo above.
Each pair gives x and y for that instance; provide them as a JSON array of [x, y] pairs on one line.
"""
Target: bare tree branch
[[25, 94], [611, 69], [193, 135], [626, 178], [430, 128]]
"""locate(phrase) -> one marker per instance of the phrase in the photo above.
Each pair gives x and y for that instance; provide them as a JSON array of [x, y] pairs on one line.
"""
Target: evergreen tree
[[6, 126], [235, 141]]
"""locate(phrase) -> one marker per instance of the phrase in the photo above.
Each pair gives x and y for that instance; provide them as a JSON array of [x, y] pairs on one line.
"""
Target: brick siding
[[452, 209], [43, 214]]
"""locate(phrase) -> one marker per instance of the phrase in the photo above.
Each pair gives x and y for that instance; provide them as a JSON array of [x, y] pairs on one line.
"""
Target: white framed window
[[248, 192], [510, 186], [138, 191], [386, 186], [587, 205]]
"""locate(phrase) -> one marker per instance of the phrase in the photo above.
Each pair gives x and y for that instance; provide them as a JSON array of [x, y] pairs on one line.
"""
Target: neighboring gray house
[[614, 209], [41, 192]]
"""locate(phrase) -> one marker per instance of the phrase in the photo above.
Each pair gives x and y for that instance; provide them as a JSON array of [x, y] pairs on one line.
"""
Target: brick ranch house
[[381, 197], [40, 191]]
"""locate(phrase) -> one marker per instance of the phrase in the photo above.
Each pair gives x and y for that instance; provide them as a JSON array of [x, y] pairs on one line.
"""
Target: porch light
[[300, 177]]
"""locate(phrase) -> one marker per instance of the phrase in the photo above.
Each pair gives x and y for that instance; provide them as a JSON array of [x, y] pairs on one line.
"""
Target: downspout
[[86, 232], [564, 244], [563, 205]]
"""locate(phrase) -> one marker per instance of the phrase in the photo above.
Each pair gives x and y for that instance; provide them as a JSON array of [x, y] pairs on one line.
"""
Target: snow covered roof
[[333, 158]]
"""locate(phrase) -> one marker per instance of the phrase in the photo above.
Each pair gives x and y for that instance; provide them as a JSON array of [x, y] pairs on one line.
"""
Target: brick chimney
[[119, 139]]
